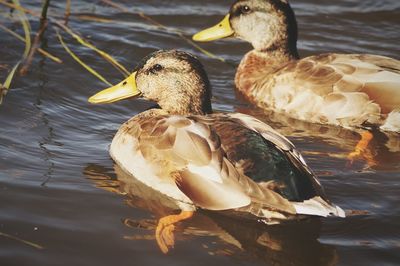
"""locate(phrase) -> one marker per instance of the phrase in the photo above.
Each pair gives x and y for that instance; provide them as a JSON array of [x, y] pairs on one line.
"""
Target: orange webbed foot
[[165, 229], [361, 150]]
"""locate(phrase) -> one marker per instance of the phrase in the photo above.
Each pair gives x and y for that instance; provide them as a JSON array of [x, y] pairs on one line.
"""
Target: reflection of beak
[[219, 31], [125, 89]]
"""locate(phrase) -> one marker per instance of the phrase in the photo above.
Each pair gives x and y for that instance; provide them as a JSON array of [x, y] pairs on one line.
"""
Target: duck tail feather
[[392, 122], [319, 207]]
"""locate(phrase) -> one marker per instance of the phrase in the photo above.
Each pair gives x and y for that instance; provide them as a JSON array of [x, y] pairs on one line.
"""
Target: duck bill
[[125, 89], [219, 31]]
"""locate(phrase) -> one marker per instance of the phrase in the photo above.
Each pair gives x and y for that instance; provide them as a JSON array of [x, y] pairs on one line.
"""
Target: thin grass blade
[[10, 76], [74, 56], [105, 55], [43, 52], [158, 24], [22, 240], [27, 28], [6, 86], [95, 19]]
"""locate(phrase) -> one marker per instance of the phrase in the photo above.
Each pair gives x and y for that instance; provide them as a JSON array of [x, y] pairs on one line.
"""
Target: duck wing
[[267, 157], [189, 152], [383, 86], [347, 81], [259, 153]]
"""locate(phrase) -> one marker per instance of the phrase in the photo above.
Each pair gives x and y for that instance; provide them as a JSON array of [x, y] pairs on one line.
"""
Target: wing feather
[[306, 88], [188, 152], [286, 146], [191, 152]]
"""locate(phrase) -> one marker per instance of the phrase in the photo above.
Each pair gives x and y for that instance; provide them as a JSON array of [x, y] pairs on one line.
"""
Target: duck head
[[175, 80], [266, 24]]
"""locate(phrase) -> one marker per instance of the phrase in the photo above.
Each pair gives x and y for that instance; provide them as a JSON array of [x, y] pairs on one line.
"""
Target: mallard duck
[[349, 90], [208, 160]]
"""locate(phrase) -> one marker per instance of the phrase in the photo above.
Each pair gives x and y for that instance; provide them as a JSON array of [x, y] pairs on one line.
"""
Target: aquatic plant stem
[[45, 6], [22, 240], [6, 85], [74, 56], [24, 69], [60, 24], [38, 37], [25, 24], [20, 8], [67, 12], [105, 55], [40, 50], [158, 24]]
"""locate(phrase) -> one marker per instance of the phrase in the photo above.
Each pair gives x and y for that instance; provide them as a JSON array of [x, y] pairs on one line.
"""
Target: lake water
[[60, 193]]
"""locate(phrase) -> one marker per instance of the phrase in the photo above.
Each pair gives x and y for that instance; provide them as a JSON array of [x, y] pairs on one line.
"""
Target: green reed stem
[[40, 50], [158, 24], [77, 59], [5, 87], [22, 240], [105, 55]]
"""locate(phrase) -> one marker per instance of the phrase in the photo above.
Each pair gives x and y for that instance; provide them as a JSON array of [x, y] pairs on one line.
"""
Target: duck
[[228, 162], [348, 90]]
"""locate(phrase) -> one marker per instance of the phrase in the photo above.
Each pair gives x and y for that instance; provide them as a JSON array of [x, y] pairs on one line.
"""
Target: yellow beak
[[219, 31], [125, 89]]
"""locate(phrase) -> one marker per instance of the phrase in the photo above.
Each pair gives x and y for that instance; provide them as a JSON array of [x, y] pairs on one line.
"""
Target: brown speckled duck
[[208, 160], [350, 90]]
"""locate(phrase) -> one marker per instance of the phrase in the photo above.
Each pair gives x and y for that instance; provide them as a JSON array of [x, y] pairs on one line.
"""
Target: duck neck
[[185, 102], [282, 50], [279, 40], [280, 54], [274, 50], [257, 65]]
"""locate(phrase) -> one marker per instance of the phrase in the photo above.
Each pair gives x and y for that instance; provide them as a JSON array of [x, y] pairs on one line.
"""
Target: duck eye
[[156, 68], [245, 9]]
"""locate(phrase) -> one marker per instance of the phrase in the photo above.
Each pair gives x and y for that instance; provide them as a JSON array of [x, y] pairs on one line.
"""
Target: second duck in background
[[349, 90]]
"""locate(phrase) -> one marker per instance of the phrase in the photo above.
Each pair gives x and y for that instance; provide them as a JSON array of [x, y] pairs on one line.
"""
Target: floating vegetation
[[95, 19], [40, 50], [74, 56], [29, 243], [38, 37], [27, 29], [6, 85], [31, 49], [105, 55], [67, 11], [4, 88], [161, 26]]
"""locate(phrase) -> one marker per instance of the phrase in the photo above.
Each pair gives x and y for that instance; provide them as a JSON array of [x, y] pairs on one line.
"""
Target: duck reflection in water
[[295, 242]]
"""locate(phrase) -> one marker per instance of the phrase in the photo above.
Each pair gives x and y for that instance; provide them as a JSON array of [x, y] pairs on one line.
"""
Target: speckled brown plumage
[[350, 90], [330, 88], [212, 161]]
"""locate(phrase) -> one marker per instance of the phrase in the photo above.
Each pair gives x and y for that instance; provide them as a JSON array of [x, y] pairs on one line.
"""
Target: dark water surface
[[59, 188]]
